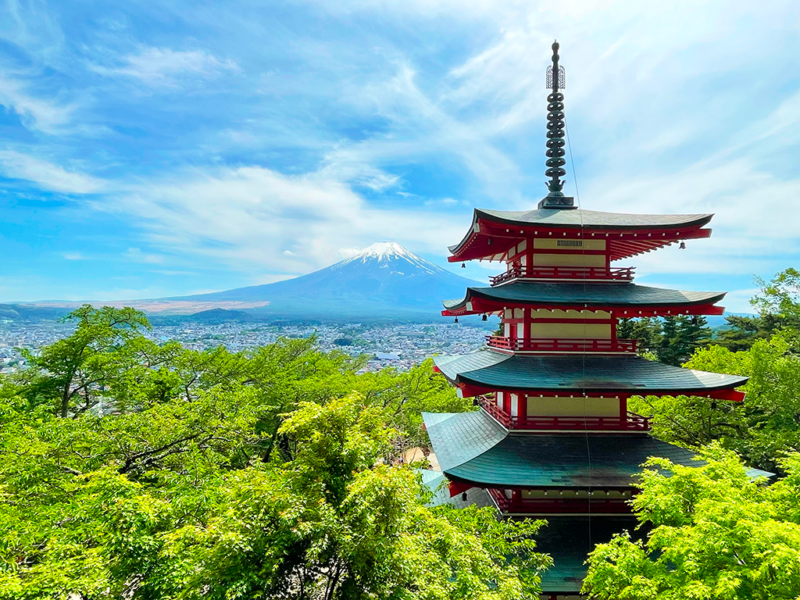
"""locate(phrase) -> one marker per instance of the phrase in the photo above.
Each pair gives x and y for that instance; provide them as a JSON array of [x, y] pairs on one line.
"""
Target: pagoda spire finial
[[556, 80]]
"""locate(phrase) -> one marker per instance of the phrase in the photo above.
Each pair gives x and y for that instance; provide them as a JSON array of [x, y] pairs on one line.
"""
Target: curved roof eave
[[563, 374], [569, 219], [584, 295]]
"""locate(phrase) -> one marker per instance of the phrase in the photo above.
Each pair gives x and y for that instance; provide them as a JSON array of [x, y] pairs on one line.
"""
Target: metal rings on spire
[[555, 125]]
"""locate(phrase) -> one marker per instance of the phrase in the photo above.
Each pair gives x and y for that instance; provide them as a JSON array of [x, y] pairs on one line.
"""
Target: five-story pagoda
[[554, 436]]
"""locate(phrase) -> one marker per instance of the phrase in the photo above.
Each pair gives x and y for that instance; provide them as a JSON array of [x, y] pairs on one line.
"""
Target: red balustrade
[[498, 413], [632, 421], [560, 345], [559, 505], [594, 273]]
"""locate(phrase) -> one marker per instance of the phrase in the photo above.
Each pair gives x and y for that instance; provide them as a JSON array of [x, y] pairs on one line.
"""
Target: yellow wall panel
[[572, 407], [571, 331], [543, 313], [569, 260]]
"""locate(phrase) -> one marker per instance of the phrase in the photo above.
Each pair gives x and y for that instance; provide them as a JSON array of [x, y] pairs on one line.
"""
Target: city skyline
[[161, 151]]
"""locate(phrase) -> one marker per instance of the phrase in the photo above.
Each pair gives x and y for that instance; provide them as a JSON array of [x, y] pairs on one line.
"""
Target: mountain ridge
[[384, 280]]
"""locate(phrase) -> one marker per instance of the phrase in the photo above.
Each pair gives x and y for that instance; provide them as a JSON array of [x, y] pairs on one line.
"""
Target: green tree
[[672, 339], [72, 374], [680, 337], [742, 332], [646, 331], [780, 296], [403, 396], [174, 501], [714, 534], [761, 428]]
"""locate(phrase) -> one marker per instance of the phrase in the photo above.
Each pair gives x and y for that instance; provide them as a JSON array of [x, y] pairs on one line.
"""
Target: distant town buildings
[[390, 345]]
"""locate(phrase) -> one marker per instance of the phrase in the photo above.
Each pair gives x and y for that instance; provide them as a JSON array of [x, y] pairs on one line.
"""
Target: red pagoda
[[554, 437]]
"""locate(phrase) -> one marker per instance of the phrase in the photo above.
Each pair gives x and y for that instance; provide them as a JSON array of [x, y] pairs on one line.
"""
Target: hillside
[[383, 281]]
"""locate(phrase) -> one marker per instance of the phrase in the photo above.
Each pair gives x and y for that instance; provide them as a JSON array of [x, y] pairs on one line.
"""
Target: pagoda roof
[[473, 448], [605, 296], [628, 234], [489, 370], [593, 219], [569, 540]]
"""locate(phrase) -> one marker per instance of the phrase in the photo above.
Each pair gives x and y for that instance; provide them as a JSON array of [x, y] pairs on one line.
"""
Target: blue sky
[[152, 149]]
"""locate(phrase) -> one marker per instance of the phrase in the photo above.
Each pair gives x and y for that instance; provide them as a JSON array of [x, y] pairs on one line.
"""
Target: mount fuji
[[382, 281]]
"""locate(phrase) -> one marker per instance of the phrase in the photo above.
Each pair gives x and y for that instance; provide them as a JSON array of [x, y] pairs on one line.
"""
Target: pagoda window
[[500, 400], [521, 331], [514, 405], [507, 329], [571, 244]]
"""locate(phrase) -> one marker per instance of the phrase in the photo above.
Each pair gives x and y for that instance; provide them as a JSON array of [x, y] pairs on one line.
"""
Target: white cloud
[[47, 175], [37, 114], [74, 256], [164, 67], [248, 217]]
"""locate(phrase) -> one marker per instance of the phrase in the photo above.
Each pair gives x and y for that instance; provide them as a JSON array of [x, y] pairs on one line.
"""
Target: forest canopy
[[144, 470], [130, 469]]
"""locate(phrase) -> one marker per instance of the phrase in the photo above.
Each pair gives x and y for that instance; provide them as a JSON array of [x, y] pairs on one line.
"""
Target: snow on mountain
[[390, 255], [382, 281]]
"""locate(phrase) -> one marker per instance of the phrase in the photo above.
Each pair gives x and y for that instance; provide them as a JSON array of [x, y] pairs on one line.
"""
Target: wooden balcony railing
[[632, 422], [592, 273], [559, 505], [560, 345]]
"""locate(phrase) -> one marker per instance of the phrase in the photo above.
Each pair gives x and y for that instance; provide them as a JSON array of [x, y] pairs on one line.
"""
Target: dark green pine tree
[[667, 351], [680, 337], [646, 331], [742, 332]]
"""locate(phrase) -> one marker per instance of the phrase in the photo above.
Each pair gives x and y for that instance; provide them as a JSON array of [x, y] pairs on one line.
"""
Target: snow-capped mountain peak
[[385, 253], [392, 255], [384, 280], [384, 250]]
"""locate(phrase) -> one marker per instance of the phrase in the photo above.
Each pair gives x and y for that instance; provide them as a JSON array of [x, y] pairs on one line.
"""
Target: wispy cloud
[[48, 116], [290, 141], [46, 175], [166, 67], [256, 218]]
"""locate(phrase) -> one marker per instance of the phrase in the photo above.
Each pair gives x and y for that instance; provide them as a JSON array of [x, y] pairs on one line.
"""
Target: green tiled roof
[[585, 295], [472, 447], [569, 540], [468, 436], [579, 373]]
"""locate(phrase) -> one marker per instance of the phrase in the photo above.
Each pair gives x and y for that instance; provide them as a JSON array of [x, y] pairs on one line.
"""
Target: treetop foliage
[[713, 534], [130, 469]]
